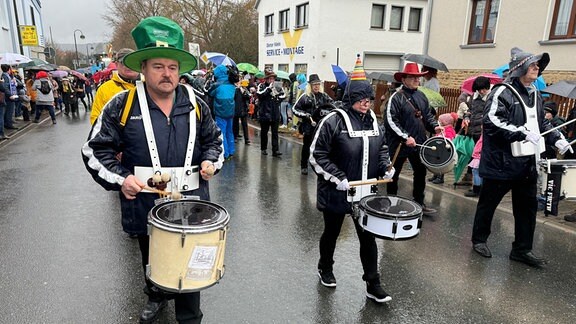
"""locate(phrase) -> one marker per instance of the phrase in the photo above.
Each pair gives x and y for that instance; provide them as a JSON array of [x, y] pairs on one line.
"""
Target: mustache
[[166, 80]]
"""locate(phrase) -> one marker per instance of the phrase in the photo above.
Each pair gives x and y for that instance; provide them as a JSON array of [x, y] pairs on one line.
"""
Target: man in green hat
[[154, 126]]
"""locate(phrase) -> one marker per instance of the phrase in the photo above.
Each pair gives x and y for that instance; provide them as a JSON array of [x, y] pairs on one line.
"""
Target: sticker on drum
[[390, 217], [187, 244]]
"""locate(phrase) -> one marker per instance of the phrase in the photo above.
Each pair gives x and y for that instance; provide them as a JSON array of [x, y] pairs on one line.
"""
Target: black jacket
[[408, 114], [241, 103], [309, 106], [475, 115], [108, 137], [269, 105], [336, 156], [504, 119]]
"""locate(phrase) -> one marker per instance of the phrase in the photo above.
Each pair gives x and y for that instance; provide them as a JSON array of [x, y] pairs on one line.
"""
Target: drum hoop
[[417, 213], [155, 221]]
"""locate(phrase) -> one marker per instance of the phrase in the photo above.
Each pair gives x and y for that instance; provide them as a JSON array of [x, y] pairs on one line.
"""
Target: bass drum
[[187, 243], [439, 155]]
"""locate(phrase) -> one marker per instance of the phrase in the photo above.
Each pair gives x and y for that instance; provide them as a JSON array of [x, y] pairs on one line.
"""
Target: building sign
[[290, 46], [28, 35]]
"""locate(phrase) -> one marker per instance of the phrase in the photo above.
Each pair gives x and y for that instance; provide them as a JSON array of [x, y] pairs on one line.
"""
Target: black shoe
[[11, 127], [438, 180], [570, 218], [528, 258], [304, 171], [428, 211], [35, 121], [471, 193], [264, 152], [276, 154], [5, 137], [327, 278], [375, 292], [432, 178], [151, 311], [54, 122], [247, 142], [482, 249]]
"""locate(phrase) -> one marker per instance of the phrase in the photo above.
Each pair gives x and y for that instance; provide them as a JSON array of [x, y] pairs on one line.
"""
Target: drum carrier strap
[[149, 131]]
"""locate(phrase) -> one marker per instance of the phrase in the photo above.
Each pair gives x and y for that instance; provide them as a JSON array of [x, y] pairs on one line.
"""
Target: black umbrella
[[383, 76], [425, 60], [43, 67], [563, 88]]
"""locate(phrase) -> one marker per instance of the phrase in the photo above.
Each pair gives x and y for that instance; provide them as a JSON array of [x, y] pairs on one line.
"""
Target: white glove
[[563, 146], [532, 137], [343, 185], [390, 173]]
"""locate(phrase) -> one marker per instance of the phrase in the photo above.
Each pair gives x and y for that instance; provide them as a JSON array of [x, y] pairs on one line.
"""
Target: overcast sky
[[65, 16]]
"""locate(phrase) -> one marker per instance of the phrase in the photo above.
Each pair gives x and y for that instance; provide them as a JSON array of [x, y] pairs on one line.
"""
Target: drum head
[[441, 155], [390, 207], [195, 216]]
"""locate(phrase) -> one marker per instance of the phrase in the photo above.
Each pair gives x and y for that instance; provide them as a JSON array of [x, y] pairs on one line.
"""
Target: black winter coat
[[108, 137], [269, 105], [504, 120], [308, 106], [336, 156], [241, 103], [408, 114]]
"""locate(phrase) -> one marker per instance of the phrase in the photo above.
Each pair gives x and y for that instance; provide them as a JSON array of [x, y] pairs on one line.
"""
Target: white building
[[25, 13], [308, 36]]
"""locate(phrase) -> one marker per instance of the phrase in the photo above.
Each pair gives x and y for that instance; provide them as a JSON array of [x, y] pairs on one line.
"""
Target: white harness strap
[[188, 180]]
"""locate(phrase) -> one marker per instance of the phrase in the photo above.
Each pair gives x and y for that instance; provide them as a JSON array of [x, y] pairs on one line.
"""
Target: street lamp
[[76, 46]]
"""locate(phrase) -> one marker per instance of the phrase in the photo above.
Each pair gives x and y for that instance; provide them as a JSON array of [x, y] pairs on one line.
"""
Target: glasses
[[364, 101], [534, 65]]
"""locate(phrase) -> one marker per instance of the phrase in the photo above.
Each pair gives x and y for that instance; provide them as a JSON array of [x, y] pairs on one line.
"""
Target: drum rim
[[155, 221], [439, 165], [414, 215]]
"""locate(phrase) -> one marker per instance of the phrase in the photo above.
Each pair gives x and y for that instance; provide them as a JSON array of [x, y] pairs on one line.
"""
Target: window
[[283, 23], [396, 18], [414, 19], [283, 67], [268, 24], [483, 21], [302, 15], [564, 20], [301, 68], [377, 20]]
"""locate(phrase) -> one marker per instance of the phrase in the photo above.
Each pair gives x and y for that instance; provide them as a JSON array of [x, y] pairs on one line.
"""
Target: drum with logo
[[438, 154], [187, 243], [390, 217]]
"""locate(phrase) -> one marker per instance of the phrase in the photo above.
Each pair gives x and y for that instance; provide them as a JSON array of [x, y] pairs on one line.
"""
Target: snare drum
[[390, 217], [187, 243], [440, 160], [567, 180]]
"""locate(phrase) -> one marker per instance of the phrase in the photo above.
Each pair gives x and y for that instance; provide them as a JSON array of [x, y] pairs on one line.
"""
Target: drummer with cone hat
[[157, 126], [349, 145], [407, 120]]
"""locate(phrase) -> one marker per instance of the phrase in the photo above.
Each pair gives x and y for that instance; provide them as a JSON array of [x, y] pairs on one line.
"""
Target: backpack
[[45, 87]]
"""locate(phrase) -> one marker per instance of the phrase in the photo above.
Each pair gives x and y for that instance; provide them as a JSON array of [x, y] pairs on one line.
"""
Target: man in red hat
[[408, 117]]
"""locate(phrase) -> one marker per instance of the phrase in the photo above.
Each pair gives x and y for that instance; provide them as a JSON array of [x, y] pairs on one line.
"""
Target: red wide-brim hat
[[409, 69]]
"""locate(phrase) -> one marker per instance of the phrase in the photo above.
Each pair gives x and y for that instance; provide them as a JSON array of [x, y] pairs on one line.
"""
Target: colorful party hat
[[358, 73]]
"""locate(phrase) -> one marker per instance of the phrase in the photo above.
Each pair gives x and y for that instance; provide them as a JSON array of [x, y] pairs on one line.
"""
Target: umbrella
[[434, 98], [540, 84], [59, 74], [44, 67], [78, 75], [467, 84], [563, 88], [13, 58], [247, 67], [33, 62], [382, 76], [197, 72], [217, 58], [425, 60], [340, 74], [464, 147], [64, 68], [282, 75], [259, 75]]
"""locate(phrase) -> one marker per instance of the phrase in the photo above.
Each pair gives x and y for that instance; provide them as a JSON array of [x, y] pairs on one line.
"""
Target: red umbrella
[[78, 75], [467, 84]]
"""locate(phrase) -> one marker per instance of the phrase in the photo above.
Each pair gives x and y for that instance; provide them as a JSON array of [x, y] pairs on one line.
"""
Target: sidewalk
[[24, 126]]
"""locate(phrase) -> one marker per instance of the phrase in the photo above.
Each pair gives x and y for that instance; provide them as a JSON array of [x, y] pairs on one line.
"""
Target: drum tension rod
[[183, 238], [180, 284]]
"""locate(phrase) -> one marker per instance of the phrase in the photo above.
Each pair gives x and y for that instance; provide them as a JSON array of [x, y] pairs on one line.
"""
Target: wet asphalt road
[[65, 259]]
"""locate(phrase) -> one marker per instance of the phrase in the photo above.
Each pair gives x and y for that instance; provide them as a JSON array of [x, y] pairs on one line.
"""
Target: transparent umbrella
[[434, 98]]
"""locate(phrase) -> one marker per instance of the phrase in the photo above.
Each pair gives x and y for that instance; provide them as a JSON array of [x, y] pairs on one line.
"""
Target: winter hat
[[520, 61], [551, 107], [159, 37], [409, 69], [358, 88]]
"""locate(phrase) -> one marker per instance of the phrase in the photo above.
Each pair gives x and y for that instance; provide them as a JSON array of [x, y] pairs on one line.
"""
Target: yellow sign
[[28, 35]]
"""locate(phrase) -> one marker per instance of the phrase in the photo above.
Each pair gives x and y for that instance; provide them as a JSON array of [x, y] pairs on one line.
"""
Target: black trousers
[[266, 125], [524, 206], [236, 127], [187, 305], [368, 248], [306, 141], [419, 177]]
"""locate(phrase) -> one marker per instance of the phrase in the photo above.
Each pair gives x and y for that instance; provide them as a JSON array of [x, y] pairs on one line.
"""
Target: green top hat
[[159, 37]]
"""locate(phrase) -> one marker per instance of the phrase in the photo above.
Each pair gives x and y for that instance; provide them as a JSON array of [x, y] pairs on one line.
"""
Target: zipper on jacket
[[168, 120]]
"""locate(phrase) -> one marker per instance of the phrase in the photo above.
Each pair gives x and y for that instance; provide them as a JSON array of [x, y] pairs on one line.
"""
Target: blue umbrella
[[340, 74], [217, 58], [540, 84]]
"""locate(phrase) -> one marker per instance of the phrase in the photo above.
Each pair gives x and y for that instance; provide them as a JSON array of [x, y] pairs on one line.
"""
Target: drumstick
[[574, 141], [395, 156], [158, 191], [558, 127], [361, 183], [433, 148]]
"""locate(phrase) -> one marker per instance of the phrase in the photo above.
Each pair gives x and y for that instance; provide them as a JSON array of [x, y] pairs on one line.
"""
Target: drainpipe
[[428, 24]]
